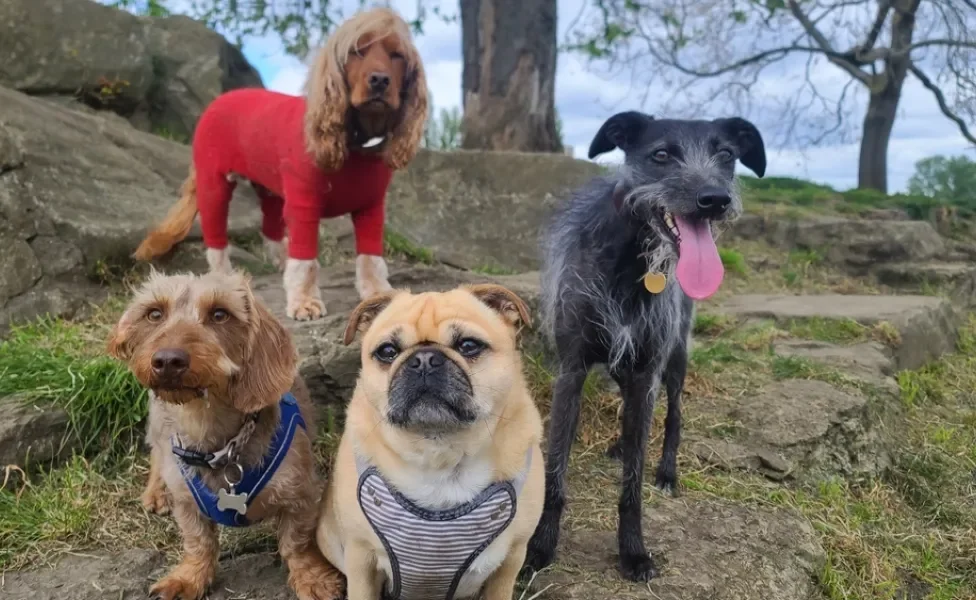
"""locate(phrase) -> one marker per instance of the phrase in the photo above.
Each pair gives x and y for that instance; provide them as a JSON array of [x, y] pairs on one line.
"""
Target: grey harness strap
[[430, 550]]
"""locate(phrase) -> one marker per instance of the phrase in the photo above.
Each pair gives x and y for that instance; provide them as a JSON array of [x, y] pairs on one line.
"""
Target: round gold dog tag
[[655, 282]]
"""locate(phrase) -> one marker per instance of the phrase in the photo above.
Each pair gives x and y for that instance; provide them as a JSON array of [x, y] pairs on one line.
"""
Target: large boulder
[[77, 192], [482, 209], [855, 244], [158, 72]]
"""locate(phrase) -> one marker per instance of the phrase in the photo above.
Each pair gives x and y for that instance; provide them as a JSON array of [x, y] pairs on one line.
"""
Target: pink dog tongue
[[700, 269]]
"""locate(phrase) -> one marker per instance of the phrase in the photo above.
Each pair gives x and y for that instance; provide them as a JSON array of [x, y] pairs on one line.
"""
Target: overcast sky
[[584, 99]]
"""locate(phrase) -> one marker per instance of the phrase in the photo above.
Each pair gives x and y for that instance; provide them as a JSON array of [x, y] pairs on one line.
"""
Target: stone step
[[921, 273], [852, 243], [707, 550], [32, 433], [927, 325], [790, 428]]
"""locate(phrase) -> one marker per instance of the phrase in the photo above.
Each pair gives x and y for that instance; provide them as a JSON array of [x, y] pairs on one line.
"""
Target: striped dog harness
[[430, 550]]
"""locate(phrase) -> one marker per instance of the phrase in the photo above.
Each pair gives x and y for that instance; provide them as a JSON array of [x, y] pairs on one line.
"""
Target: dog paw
[[540, 554], [666, 480], [615, 451], [155, 501], [177, 588], [306, 308], [638, 567], [326, 587]]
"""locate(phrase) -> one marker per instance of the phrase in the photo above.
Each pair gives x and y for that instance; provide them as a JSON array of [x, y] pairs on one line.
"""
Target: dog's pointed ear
[[363, 315], [503, 301], [748, 141], [622, 130]]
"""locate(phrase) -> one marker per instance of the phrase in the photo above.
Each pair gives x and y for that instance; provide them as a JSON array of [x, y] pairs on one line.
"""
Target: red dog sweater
[[259, 135]]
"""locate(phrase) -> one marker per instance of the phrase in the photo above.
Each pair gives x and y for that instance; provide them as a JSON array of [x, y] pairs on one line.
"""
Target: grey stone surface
[[34, 434], [709, 550], [78, 190], [482, 209], [927, 325], [160, 73]]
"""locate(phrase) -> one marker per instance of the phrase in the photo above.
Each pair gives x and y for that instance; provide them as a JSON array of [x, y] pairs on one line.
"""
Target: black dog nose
[[425, 361], [170, 363], [378, 82], [713, 200]]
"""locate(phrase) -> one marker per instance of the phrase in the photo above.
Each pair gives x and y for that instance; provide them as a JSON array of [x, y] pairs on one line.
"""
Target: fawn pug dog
[[439, 477], [230, 426]]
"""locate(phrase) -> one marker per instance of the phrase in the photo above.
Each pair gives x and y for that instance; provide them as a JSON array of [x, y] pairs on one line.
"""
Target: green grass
[[733, 261], [712, 325], [61, 363], [57, 510], [166, 134], [798, 265], [806, 197], [398, 245], [836, 331], [494, 270]]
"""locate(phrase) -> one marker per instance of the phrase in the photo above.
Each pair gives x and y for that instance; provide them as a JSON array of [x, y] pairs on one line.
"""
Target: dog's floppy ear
[[503, 301], [326, 105], [270, 360], [364, 314], [748, 141], [413, 112], [119, 344], [622, 130]]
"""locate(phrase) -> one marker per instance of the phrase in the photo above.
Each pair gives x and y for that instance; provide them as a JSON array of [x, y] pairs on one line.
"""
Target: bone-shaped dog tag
[[230, 500]]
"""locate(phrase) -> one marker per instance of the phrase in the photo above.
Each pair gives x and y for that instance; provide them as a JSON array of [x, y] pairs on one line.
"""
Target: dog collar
[[220, 458], [229, 506], [412, 534]]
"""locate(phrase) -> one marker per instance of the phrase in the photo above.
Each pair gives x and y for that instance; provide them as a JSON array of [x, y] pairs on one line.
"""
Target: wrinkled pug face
[[439, 363]]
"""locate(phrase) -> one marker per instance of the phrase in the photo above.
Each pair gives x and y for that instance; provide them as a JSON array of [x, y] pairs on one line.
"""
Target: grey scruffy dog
[[625, 257]]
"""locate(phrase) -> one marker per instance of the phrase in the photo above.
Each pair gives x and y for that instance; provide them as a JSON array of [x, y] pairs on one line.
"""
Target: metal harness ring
[[240, 474]]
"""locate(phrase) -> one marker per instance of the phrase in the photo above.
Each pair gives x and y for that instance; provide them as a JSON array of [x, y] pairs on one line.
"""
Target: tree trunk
[[883, 107], [509, 76], [872, 171]]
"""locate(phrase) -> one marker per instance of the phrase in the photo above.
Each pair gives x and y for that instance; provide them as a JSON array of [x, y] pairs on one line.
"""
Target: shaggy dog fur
[[656, 218], [235, 361]]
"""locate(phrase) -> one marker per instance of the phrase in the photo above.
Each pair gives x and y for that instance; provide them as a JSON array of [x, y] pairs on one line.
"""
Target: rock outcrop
[[160, 73]]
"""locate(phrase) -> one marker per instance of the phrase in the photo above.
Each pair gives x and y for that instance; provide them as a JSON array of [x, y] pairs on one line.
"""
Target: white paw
[[219, 260], [305, 308], [275, 252]]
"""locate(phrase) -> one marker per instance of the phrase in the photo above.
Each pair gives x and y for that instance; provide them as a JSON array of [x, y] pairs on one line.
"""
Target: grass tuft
[[733, 261], [57, 362], [398, 245]]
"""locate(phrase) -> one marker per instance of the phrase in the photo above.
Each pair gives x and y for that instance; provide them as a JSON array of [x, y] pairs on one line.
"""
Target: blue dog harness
[[228, 507]]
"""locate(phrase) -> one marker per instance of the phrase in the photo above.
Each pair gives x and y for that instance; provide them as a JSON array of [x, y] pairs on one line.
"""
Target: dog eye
[[661, 156], [469, 347], [154, 316], [724, 155], [219, 315], [396, 55], [386, 353]]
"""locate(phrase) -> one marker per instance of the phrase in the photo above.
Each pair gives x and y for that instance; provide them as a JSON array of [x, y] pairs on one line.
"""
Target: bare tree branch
[[941, 99], [773, 54], [834, 57], [884, 7]]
